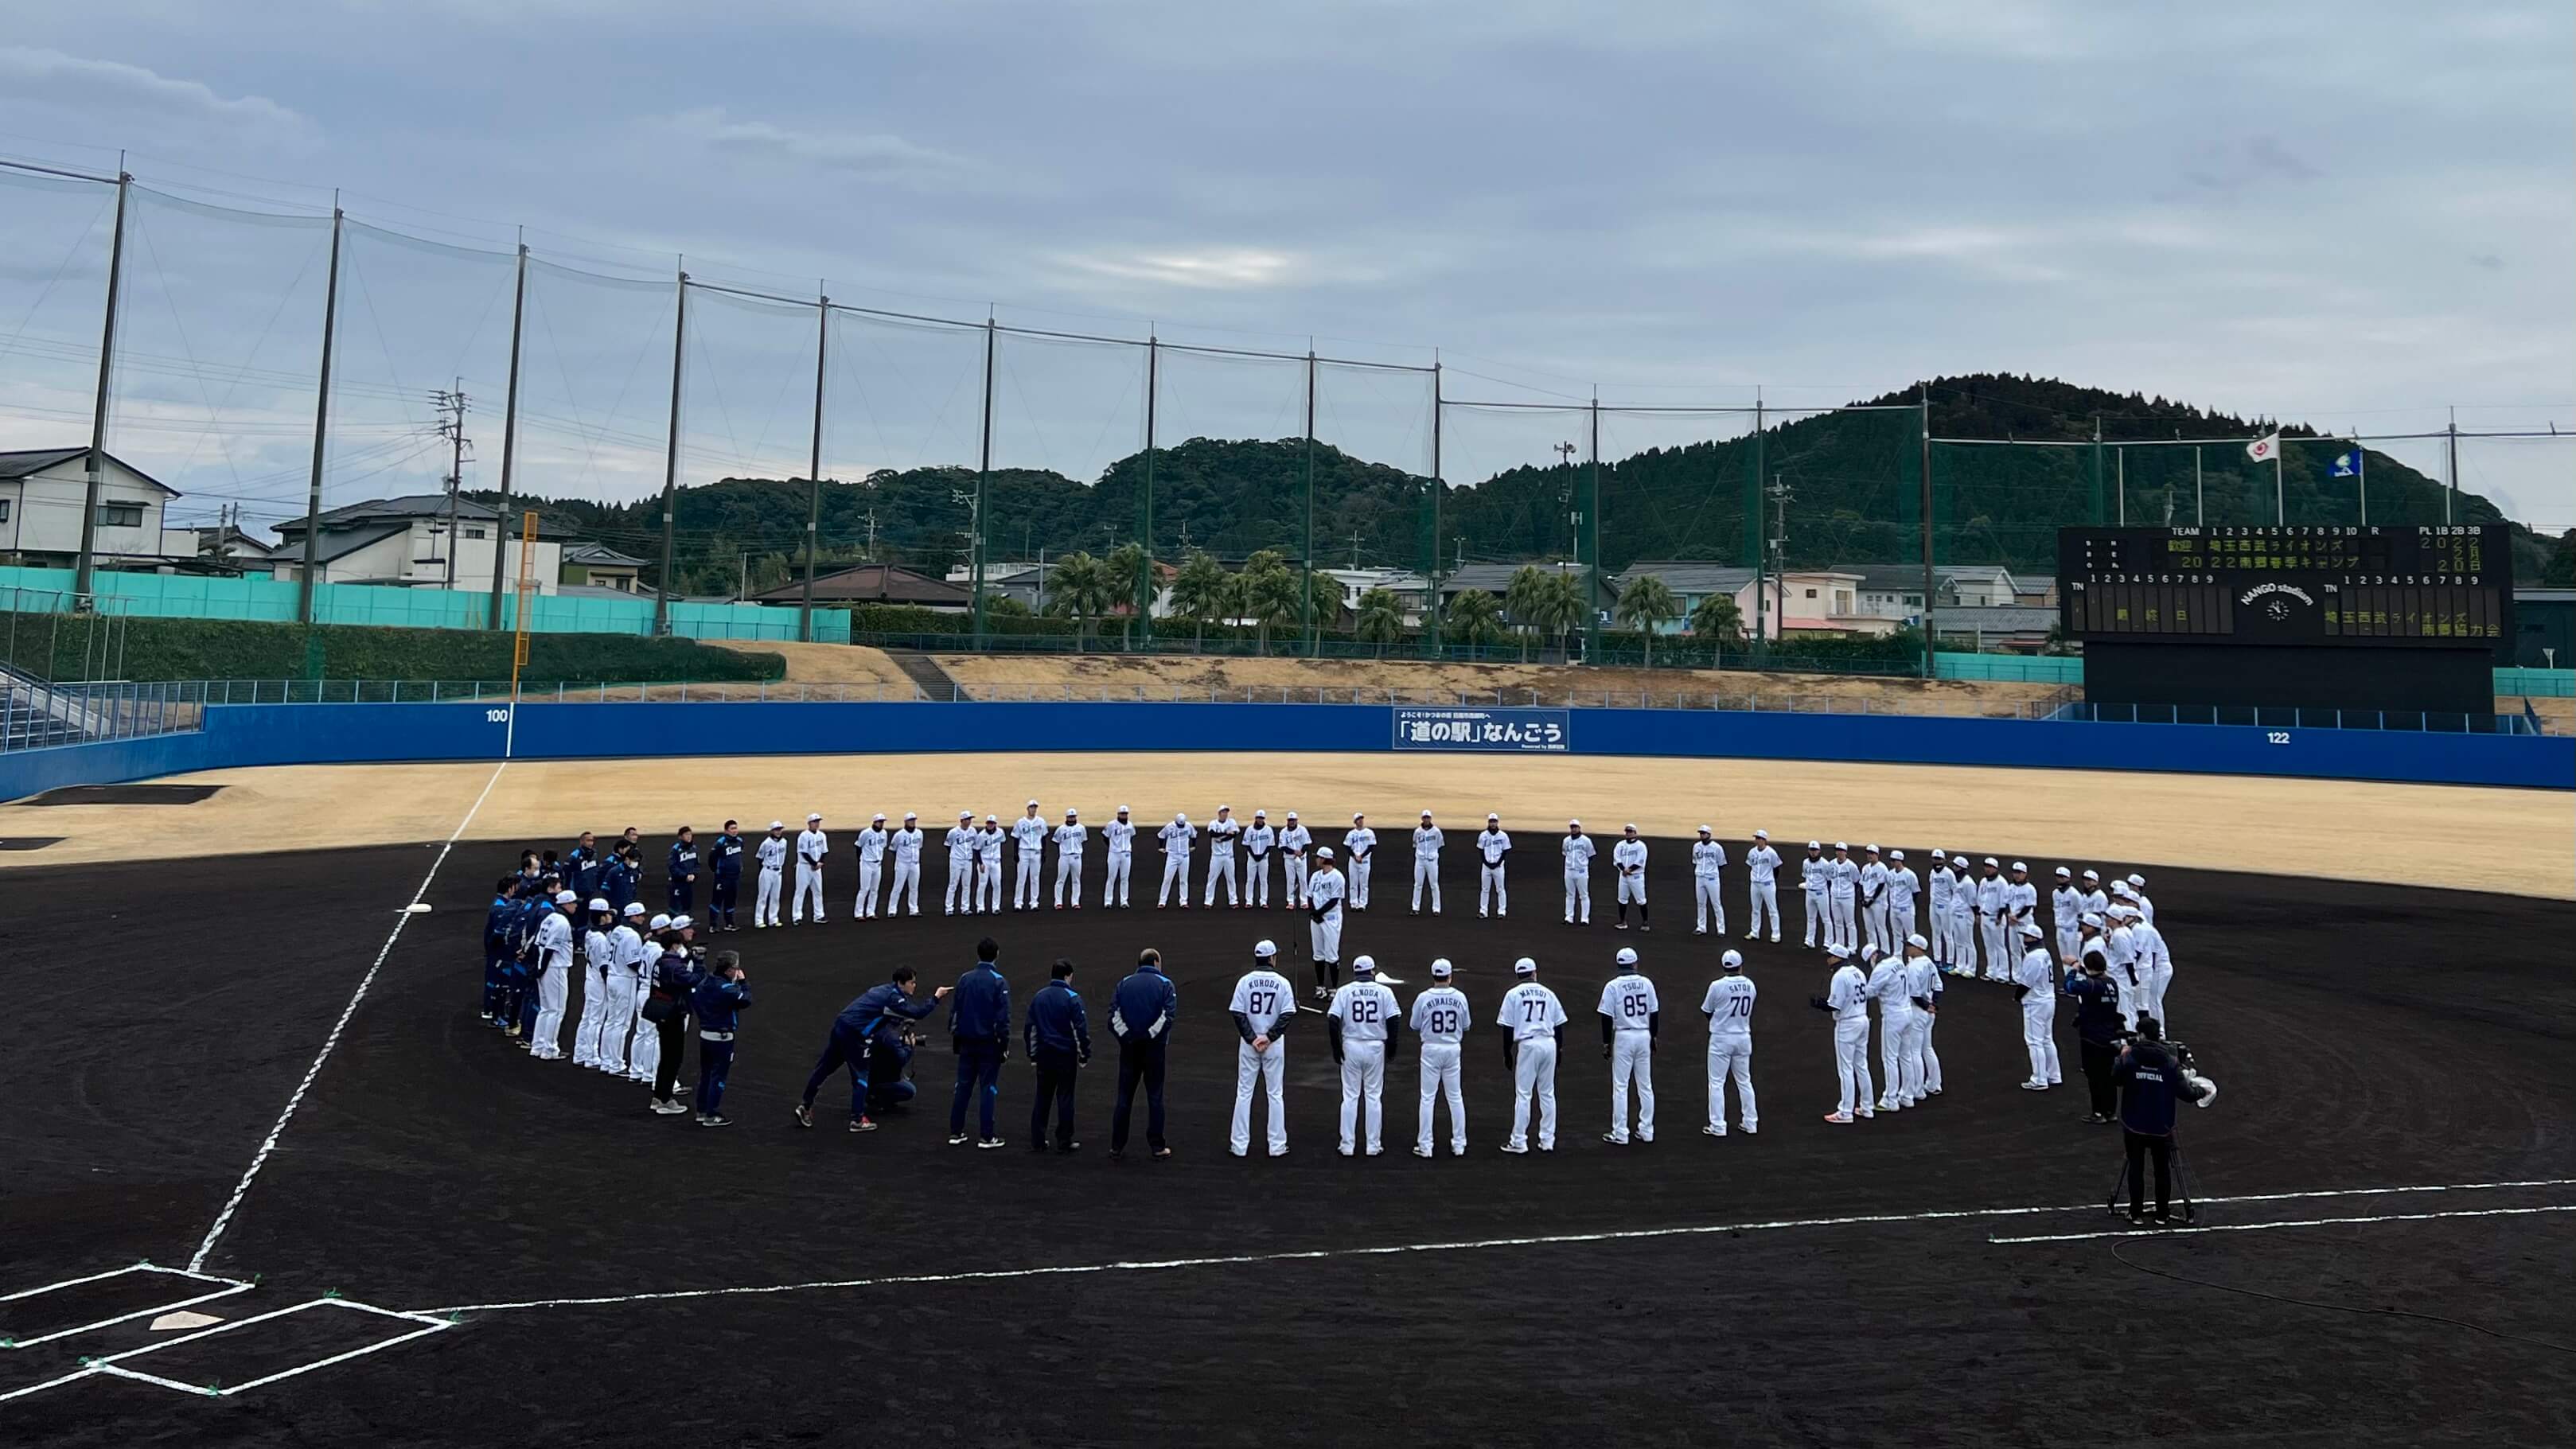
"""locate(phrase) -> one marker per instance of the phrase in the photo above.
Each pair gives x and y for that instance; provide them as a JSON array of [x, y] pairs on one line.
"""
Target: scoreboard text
[[2441, 586]]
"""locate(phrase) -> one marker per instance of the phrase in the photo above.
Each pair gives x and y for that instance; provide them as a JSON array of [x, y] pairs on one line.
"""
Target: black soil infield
[[2365, 1036]]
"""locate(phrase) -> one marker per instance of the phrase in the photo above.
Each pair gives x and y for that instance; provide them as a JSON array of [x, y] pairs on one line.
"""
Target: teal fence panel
[[2537, 683], [2015, 668]]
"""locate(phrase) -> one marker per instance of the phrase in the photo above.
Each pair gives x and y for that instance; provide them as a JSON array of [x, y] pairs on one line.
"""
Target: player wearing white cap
[[1294, 842], [2035, 982], [1263, 1002], [1029, 833], [1533, 1023], [1427, 841], [1578, 874], [1359, 847], [1070, 838], [1889, 986], [1176, 838], [1324, 894], [2065, 912], [1842, 895], [1631, 1016], [2155, 964], [2138, 898], [1728, 1005], [598, 956], [960, 894], [644, 1039], [1761, 886], [1903, 887], [772, 854], [1963, 918], [988, 866], [1923, 980], [1708, 867], [905, 890], [811, 846], [1121, 835], [1493, 847], [2090, 901], [1628, 857], [2120, 948], [554, 977], [1439, 1022], [1361, 1019], [1222, 833], [626, 963], [1846, 1000], [2021, 908], [1873, 899], [1994, 907], [1816, 886], [1940, 885], [1260, 839], [872, 850]]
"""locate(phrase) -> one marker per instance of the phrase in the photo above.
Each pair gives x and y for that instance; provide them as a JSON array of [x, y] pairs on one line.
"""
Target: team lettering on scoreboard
[[2431, 584]]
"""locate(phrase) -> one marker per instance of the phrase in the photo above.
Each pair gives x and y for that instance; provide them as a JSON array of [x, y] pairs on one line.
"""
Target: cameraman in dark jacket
[[2153, 1081], [2098, 1027]]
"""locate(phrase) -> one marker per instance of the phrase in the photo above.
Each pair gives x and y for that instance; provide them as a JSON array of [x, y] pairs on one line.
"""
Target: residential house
[[1809, 600], [404, 542], [1412, 591], [874, 584], [1994, 628], [228, 543], [1496, 579], [42, 493], [596, 565], [2035, 591]]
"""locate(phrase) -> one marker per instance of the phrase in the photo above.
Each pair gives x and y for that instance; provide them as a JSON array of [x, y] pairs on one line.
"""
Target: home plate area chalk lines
[[2412, 1205]]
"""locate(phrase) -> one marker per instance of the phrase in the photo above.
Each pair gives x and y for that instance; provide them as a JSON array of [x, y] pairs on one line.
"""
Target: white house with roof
[[405, 542], [1792, 601], [44, 490]]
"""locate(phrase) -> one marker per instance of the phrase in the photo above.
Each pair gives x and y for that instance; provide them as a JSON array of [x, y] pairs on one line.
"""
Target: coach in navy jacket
[[979, 1029], [1140, 1016], [1059, 1046]]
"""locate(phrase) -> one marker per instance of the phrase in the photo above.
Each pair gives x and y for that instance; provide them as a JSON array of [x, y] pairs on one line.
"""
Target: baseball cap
[[1525, 967], [1292, 814], [2030, 930], [1491, 816], [1426, 814], [1358, 815], [965, 814], [781, 824], [1732, 960], [1440, 969], [1839, 845], [1264, 949], [1896, 855], [1361, 964], [1070, 812], [880, 815], [2092, 875], [1323, 852], [1260, 814], [1916, 940], [2065, 873], [1762, 835], [908, 815], [1939, 855], [634, 908], [565, 898], [681, 923], [989, 819], [813, 815], [1870, 849], [1627, 956], [1182, 816], [1122, 809], [1990, 860], [659, 923], [2017, 865], [1222, 809], [1033, 804], [1837, 950], [2090, 918], [1704, 830], [1815, 845], [597, 904], [2138, 880], [1630, 827]]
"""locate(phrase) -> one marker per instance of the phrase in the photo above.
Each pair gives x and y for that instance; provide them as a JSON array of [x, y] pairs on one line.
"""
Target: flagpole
[[2280, 503], [2361, 477]]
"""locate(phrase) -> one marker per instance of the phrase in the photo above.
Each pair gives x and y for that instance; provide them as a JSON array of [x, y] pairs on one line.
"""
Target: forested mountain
[[1852, 484]]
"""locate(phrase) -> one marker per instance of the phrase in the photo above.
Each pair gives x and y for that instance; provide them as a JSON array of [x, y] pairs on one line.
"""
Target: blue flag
[[2346, 465]]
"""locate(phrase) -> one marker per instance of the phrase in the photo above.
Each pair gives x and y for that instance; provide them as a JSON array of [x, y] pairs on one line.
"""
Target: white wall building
[[404, 542], [43, 490]]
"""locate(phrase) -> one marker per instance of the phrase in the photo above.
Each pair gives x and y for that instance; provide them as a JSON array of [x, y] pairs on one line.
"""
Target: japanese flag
[[2264, 449]]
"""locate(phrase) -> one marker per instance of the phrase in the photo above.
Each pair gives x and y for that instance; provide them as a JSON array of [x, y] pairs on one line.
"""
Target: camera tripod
[[2185, 1208]]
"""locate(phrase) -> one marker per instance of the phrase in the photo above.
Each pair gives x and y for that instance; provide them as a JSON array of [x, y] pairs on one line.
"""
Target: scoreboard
[[2434, 586]]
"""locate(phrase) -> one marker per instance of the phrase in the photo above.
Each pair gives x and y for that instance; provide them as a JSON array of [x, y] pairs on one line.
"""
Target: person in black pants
[[2152, 1082], [717, 1002], [979, 1031], [1140, 1016], [2097, 1029], [1059, 1046], [675, 979]]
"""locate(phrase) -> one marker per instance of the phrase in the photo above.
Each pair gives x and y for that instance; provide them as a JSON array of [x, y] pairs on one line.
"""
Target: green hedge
[[52, 646]]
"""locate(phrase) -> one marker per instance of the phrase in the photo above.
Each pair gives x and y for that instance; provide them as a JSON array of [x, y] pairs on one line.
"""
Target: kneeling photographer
[[2154, 1076]]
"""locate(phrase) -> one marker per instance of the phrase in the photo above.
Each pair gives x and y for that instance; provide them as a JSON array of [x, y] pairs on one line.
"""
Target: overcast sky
[[2349, 214]]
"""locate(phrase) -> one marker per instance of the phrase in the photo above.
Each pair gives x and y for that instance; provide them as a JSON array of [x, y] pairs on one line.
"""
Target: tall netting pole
[[1591, 557], [509, 432], [1931, 594], [814, 470], [984, 480], [1433, 623], [1145, 500], [671, 456], [1756, 538], [321, 423], [2097, 468], [81, 576], [1306, 585]]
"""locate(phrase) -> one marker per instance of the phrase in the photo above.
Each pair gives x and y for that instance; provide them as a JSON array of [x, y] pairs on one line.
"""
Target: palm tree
[[1561, 607], [1127, 578], [1201, 591], [1476, 617], [1381, 619], [1271, 593], [1645, 603], [1081, 585], [1327, 592], [1525, 599], [1717, 619]]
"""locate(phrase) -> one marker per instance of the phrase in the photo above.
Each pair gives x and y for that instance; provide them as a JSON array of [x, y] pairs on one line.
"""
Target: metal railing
[[2284, 718], [38, 715]]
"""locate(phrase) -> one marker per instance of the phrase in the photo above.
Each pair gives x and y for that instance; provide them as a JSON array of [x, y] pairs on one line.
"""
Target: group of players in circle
[[646, 977]]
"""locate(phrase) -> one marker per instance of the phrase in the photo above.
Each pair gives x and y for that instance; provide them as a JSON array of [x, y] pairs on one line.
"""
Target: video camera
[[2186, 1065]]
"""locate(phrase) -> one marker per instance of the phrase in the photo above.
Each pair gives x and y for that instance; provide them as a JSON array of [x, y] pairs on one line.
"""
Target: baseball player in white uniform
[[1963, 918], [1761, 886], [1359, 846], [554, 979], [1222, 833], [1994, 910], [1259, 841], [1427, 840], [1937, 885], [1070, 838], [960, 894], [1533, 1023], [2065, 913], [644, 1041], [1728, 1005], [2155, 965], [1847, 1001], [1121, 834], [1294, 842], [1578, 874], [1176, 838], [1815, 888], [1903, 886], [2092, 898], [1842, 895], [1628, 857], [872, 850], [1708, 867], [2021, 908], [988, 866], [811, 846], [1263, 1002], [1493, 847], [598, 955], [1324, 894], [1439, 1022], [772, 855], [1029, 833], [1923, 977], [1631, 1015], [2138, 898], [1894, 992], [625, 967], [1873, 900], [906, 886], [1362, 1016], [2120, 947], [2035, 982]]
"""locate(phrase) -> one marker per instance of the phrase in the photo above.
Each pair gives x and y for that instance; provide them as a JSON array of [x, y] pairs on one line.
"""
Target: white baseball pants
[[1851, 1063], [1359, 878], [1363, 1081], [1293, 880], [1221, 868], [1441, 1077], [1256, 881], [1632, 1059], [1963, 939], [1122, 864], [1899, 1077], [546, 1041], [1846, 922], [764, 900], [1534, 1073], [1731, 1056], [1762, 899], [1819, 916], [1426, 876], [1492, 895], [1068, 879], [1632, 889], [809, 886], [1998, 959], [616, 1021], [1176, 868], [1327, 937], [644, 1049], [1924, 1021], [906, 888], [988, 886], [2154, 986], [594, 1014], [1705, 902], [871, 876], [2039, 1035], [1578, 896], [1028, 887], [1271, 1070], [960, 893]]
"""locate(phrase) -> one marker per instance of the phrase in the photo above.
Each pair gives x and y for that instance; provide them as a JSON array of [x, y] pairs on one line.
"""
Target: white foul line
[[1463, 1245], [260, 1158], [2299, 1223]]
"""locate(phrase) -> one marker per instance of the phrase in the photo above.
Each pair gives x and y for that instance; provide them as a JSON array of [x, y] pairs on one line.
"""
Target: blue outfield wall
[[238, 735]]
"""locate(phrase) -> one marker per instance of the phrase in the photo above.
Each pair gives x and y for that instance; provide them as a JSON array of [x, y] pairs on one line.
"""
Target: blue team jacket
[[684, 861], [1143, 1007], [728, 857], [979, 1010], [717, 1003], [879, 1015], [1055, 1023]]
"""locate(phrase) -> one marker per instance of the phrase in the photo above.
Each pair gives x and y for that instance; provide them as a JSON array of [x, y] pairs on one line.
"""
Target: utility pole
[[1355, 549], [509, 433], [82, 577], [1923, 401], [1591, 559], [452, 405], [671, 453], [814, 465], [1306, 574], [1776, 546], [983, 485], [2453, 492], [1433, 619], [1145, 520], [321, 422]]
